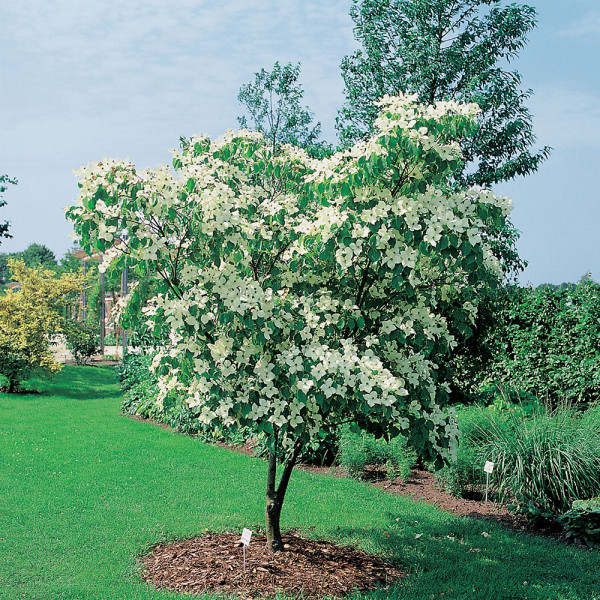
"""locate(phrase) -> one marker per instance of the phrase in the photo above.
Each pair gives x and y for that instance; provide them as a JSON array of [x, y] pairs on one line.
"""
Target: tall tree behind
[[38, 255], [34, 256], [446, 50], [273, 103], [4, 181]]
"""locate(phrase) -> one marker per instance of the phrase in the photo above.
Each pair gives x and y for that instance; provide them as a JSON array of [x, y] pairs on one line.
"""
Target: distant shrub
[[29, 317], [82, 340], [133, 369], [140, 387], [111, 340], [360, 450], [582, 522]]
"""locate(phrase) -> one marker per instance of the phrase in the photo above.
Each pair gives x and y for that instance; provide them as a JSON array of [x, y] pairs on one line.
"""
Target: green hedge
[[542, 342]]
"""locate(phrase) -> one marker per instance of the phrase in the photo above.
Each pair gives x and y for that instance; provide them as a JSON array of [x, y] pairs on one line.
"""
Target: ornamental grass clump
[[545, 461]]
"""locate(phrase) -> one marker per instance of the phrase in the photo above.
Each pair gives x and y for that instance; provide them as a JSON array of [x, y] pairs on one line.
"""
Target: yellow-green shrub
[[28, 317]]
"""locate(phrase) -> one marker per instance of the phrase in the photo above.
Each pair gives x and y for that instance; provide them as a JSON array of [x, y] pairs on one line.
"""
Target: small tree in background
[[28, 318], [299, 293], [82, 339], [38, 255], [273, 103], [35, 255]]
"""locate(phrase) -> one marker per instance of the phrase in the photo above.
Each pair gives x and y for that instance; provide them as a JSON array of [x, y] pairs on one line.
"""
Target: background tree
[[4, 272], [446, 50], [38, 255], [303, 294], [35, 255], [28, 318], [274, 106], [5, 180], [452, 49]]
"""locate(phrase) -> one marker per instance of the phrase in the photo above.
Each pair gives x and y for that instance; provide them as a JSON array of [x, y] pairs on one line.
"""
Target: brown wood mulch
[[306, 568], [423, 486]]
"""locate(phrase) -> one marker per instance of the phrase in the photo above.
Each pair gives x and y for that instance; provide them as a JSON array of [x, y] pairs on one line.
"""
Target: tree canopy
[[303, 293], [38, 255], [35, 255], [274, 106]]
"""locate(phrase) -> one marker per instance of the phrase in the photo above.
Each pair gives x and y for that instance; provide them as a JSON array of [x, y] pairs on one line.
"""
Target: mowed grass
[[84, 491]]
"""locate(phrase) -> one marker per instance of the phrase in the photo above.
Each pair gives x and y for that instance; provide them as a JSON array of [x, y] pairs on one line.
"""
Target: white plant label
[[489, 467], [246, 536]]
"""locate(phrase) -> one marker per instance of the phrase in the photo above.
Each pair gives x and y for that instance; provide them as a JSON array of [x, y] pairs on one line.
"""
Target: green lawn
[[84, 491]]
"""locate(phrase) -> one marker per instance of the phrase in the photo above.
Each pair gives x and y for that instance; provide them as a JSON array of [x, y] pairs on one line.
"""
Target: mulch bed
[[422, 486], [310, 568]]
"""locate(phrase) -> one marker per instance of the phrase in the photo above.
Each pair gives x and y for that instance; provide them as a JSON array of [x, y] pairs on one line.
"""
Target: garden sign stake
[[488, 468], [246, 535]]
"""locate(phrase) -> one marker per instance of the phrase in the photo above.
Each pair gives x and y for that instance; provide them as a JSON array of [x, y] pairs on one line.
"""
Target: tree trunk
[[273, 512], [275, 496]]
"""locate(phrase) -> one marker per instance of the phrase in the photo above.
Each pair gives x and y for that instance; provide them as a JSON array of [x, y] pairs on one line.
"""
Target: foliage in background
[[29, 317], [360, 450], [303, 293], [35, 255], [133, 369], [140, 386], [543, 342], [38, 255], [446, 50], [82, 339], [5, 181]]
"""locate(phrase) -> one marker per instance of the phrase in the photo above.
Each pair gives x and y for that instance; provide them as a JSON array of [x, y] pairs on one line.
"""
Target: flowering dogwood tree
[[300, 294]]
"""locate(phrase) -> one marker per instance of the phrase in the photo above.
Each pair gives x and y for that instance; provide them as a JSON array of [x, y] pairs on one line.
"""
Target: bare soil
[[309, 568]]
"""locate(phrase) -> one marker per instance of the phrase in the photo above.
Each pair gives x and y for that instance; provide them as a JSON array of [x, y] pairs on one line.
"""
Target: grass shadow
[[75, 382], [464, 558]]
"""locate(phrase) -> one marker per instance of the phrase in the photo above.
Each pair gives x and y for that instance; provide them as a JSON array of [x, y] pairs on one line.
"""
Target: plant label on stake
[[489, 469], [246, 537]]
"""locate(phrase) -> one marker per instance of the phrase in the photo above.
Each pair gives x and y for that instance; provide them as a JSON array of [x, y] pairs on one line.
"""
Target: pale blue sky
[[83, 80]]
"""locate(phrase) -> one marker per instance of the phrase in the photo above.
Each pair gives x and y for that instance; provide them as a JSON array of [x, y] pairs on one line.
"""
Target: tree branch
[[287, 471]]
